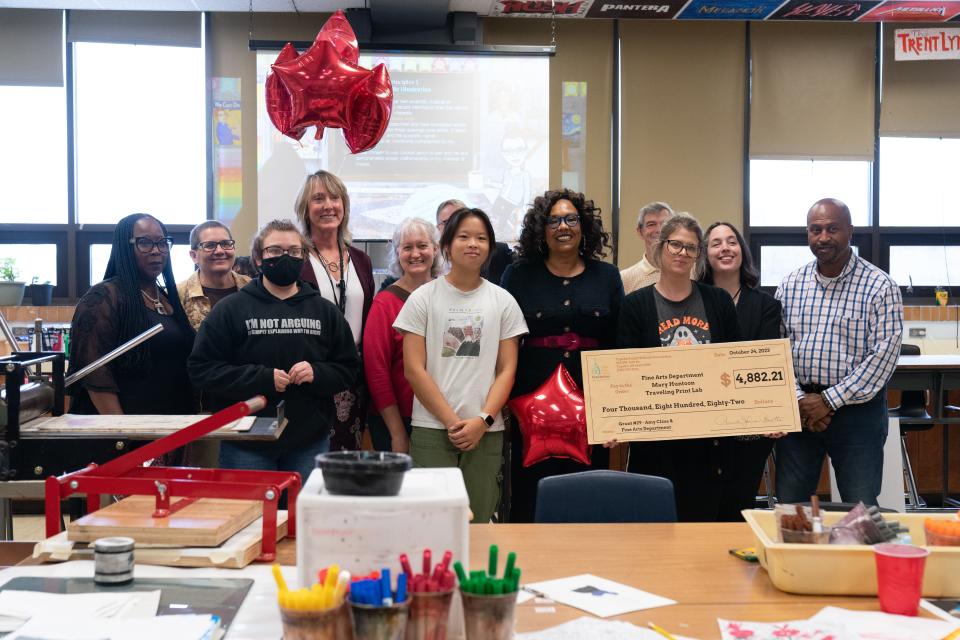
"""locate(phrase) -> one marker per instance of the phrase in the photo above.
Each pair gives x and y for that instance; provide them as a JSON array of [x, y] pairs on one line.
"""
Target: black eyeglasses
[[273, 251], [571, 219], [211, 246], [147, 245], [676, 248]]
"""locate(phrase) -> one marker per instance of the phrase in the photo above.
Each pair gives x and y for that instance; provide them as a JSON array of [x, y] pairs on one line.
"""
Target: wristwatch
[[489, 419]]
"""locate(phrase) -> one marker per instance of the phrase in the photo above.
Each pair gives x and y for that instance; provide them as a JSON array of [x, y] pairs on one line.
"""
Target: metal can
[[113, 560]]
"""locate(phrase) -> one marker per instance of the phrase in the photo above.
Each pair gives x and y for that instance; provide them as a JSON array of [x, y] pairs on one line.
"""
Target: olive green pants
[[481, 467]]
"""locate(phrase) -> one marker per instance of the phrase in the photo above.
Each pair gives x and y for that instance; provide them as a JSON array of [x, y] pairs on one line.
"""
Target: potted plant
[[41, 294], [11, 290]]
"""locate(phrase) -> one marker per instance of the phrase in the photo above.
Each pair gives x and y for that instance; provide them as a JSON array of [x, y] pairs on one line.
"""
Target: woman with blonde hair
[[676, 311], [343, 274]]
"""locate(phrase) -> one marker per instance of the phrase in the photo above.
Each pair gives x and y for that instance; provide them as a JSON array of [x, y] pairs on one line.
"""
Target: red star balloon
[[325, 87], [552, 420]]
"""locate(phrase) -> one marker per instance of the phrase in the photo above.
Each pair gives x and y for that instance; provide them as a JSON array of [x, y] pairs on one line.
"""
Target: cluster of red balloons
[[552, 420], [325, 87]]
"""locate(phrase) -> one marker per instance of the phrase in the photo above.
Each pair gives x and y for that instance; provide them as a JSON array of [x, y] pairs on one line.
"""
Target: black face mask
[[282, 270]]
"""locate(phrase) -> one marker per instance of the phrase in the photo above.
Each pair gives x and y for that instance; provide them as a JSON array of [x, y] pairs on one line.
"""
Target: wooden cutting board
[[208, 522], [237, 552]]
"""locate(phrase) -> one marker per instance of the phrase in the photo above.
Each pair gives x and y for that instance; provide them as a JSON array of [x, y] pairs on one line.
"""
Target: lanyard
[[341, 300]]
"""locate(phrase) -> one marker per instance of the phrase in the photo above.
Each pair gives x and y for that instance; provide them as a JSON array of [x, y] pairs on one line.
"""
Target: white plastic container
[[367, 533]]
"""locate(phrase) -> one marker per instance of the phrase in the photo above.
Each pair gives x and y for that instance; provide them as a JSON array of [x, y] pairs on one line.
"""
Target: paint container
[[488, 617], [328, 624], [113, 560], [429, 615], [380, 623]]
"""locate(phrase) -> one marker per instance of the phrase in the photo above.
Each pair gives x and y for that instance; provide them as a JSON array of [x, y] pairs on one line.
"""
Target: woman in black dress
[[570, 300], [151, 378], [729, 266]]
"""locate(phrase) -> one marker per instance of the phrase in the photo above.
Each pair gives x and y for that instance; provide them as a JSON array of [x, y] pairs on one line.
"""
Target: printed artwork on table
[[796, 630], [462, 336], [594, 591]]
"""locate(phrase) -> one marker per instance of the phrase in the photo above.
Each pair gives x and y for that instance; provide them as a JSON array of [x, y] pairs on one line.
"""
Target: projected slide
[[468, 127]]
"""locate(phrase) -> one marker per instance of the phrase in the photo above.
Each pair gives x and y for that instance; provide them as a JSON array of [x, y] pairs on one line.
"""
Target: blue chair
[[605, 496]]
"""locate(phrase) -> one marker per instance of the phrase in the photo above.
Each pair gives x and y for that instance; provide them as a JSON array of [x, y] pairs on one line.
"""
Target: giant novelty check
[[700, 391]]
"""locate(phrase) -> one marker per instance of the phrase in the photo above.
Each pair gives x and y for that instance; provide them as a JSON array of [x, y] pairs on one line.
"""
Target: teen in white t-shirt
[[461, 336]]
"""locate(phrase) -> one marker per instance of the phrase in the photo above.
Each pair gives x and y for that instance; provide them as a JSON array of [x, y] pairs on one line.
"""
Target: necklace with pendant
[[156, 302]]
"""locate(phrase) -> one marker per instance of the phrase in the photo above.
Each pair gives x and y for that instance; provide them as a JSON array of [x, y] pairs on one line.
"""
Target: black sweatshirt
[[249, 334]]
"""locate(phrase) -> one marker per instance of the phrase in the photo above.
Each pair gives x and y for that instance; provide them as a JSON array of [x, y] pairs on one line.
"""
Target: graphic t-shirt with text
[[683, 322]]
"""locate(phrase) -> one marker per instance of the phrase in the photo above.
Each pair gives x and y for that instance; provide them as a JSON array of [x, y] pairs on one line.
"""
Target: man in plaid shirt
[[844, 319]]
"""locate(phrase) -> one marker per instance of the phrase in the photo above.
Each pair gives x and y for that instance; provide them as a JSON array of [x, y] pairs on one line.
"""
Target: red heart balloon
[[552, 420], [325, 87]]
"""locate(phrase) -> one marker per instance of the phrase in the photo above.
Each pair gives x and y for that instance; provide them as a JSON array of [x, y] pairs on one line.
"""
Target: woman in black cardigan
[[730, 267], [679, 311]]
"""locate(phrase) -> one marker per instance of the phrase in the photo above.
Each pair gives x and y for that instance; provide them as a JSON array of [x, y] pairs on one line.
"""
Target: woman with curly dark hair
[[570, 299]]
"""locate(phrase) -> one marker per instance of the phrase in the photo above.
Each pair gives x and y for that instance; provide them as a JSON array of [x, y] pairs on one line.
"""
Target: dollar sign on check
[[725, 379]]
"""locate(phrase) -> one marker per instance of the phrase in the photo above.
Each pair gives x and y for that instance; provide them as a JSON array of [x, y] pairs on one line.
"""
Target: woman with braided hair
[[151, 378]]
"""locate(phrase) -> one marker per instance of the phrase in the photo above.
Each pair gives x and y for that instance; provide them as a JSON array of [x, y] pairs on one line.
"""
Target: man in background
[[646, 272], [844, 319]]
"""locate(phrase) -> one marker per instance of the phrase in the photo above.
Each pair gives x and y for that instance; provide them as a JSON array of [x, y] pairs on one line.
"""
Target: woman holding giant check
[[678, 311]]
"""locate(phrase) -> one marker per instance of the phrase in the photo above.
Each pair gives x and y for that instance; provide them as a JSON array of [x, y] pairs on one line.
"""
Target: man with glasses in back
[[214, 253]]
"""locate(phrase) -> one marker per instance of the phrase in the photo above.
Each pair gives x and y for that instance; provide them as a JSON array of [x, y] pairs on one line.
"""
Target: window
[[179, 254], [925, 266], [778, 261], [918, 182], [33, 261], [33, 164], [140, 132], [781, 191]]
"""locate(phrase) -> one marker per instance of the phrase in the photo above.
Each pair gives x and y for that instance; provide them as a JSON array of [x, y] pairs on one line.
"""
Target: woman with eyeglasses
[[729, 265], [277, 337], [214, 253], [570, 299], [673, 312], [137, 292], [343, 274]]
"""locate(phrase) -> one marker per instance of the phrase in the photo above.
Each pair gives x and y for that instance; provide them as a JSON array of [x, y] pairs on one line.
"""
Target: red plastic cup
[[900, 577]]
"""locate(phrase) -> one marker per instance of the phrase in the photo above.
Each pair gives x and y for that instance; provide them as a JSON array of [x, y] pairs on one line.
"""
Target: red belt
[[568, 341]]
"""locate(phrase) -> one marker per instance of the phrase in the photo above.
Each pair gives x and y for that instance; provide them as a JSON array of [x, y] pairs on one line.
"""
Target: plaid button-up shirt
[[845, 332]]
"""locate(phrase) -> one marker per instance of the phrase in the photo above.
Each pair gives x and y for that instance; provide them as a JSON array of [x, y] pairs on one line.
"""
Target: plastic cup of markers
[[327, 624], [380, 623], [899, 577], [488, 617], [429, 615]]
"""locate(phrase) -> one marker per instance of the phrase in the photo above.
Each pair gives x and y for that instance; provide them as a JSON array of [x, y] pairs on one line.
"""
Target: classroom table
[[936, 374], [688, 562]]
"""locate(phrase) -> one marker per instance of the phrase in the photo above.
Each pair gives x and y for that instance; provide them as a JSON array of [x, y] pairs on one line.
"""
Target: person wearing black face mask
[[280, 338]]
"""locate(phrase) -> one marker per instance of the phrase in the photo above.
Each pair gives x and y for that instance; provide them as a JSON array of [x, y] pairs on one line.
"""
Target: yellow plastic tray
[[846, 570]]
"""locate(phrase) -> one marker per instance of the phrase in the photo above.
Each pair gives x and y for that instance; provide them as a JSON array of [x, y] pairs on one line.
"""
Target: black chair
[[605, 496], [913, 415]]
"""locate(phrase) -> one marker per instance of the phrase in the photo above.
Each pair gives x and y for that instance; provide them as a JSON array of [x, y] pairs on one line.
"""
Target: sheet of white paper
[[524, 596], [875, 625], [594, 630], [599, 596], [258, 618], [18, 606], [189, 627]]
